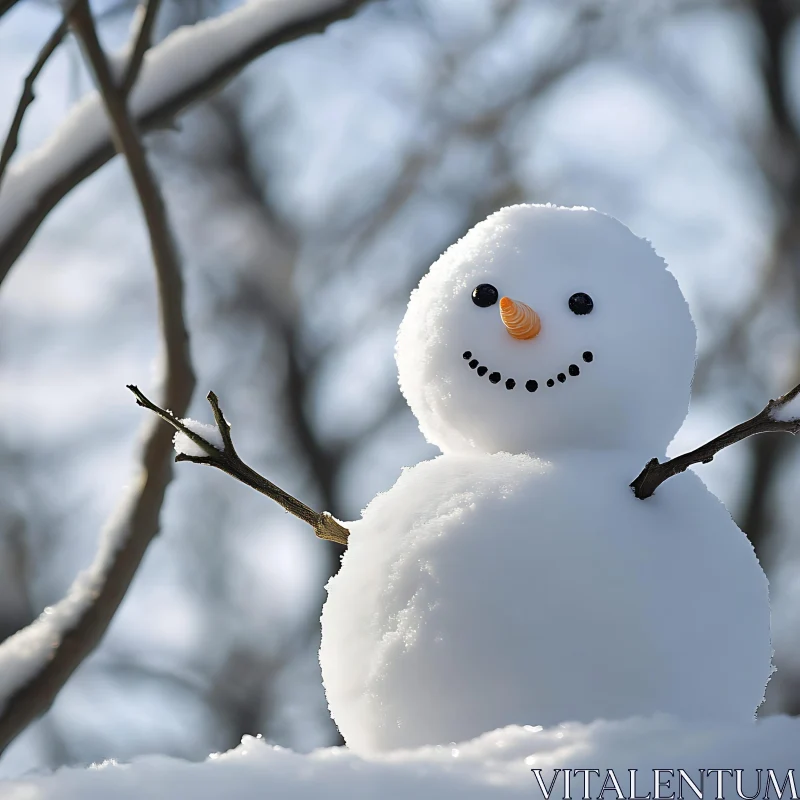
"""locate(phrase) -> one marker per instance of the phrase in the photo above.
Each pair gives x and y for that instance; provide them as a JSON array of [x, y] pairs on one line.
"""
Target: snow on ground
[[183, 444], [496, 765]]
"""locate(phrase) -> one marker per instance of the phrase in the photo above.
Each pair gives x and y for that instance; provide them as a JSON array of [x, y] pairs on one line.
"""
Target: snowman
[[515, 578]]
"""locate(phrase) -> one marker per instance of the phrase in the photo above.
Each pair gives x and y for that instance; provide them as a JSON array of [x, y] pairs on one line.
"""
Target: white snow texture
[[788, 412], [490, 588], [635, 392], [495, 766], [184, 445], [486, 590]]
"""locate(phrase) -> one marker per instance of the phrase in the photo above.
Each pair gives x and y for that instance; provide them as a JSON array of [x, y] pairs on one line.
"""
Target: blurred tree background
[[308, 197]]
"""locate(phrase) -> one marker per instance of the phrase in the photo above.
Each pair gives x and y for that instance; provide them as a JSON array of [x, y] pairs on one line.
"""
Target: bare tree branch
[[766, 421], [768, 456], [227, 460], [157, 113], [7, 5], [141, 43], [28, 96], [138, 523], [775, 18], [165, 256]]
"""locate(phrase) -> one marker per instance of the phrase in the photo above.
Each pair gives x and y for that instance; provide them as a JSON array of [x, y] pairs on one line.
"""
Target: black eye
[[484, 295], [581, 303]]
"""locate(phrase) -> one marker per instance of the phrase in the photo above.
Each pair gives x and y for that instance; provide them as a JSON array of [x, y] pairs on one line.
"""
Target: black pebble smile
[[531, 385]]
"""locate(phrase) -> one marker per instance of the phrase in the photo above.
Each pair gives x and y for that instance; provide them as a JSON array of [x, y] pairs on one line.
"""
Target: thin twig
[[142, 41], [228, 460], [655, 473], [28, 96]]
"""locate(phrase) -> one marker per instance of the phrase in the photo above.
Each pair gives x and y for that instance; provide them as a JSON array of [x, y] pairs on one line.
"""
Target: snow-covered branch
[[782, 414], [216, 449], [187, 66], [27, 96], [38, 660]]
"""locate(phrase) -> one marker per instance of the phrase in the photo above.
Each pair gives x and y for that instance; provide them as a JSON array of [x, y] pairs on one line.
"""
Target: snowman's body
[[516, 578]]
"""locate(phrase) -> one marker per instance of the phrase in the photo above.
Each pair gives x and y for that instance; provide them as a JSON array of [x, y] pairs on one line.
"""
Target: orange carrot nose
[[521, 321]]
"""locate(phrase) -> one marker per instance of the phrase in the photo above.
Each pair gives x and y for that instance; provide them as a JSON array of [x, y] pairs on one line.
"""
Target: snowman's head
[[548, 328]]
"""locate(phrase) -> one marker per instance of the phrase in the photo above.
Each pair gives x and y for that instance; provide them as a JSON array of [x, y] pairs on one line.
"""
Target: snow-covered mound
[[491, 590], [496, 765]]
